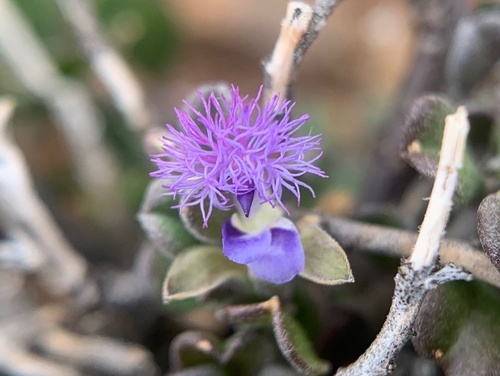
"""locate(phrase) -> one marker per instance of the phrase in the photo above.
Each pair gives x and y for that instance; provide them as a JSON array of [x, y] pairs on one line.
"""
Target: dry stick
[[417, 275], [110, 356], [433, 226], [299, 29], [17, 332], [279, 68], [69, 103], [16, 360], [28, 223], [399, 243], [107, 63], [62, 350]]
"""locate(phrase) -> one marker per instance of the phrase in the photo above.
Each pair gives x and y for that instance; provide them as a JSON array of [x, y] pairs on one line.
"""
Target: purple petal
[[230, 145], [243, 248], [245, 201], [286, 257]]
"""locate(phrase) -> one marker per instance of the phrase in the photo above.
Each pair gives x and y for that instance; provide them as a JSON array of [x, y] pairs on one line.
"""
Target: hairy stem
[[415, 276], [399, 243]]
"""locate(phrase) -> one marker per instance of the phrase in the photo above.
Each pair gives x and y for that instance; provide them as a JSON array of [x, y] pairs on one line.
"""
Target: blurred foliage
[[141, 29], [160, 222], [458, 324], [343, 173], [424, 132], [50, 26]]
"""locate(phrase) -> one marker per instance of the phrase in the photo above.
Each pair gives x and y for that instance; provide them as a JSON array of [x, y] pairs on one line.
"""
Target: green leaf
[[231, 354], [422, 143], [423, 133], [139, 27], [198, 271], [326, 261], [488, 227], [295, 345], [167, 233], [186, 348], [161, 223], [219, 89], [459, 325], [290, 336], [193, 222]]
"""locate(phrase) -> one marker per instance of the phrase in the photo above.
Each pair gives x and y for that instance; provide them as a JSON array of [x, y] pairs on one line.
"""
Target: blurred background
[[346, 84], [86, 144]]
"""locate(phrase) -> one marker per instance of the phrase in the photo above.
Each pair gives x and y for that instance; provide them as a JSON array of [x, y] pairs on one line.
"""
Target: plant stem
[[416, 276]]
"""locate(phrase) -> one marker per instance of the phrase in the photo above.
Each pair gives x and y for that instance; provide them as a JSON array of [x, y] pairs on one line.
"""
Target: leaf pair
[[201, 269], [289, 334]]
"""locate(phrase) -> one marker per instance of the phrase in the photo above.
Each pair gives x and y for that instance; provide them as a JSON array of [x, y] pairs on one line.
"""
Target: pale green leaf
[[197, 271], [295, 345], [326, 261], [193, 221]]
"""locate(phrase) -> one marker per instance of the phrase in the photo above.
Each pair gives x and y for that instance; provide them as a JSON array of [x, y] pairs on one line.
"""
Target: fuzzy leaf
[[295, 345], [193, 222], [197, 271], [193, 341], [459, 325], [191, 215], [161, 223], [155, 199], [222, 351], [326, 261], [423, 132], [290, 336], [422, 142], [488, 227], [167, 233], [219, 89]]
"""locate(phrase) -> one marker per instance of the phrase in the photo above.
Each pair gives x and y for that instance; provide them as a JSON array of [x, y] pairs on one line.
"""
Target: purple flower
[[233, 148], [274, 254]]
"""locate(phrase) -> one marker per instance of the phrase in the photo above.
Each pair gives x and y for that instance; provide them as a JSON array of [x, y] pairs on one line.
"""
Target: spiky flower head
[[234, 148]]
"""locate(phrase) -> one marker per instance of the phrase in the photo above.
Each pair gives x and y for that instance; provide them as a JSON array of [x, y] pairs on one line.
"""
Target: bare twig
[[399, 243], [70, 104], [60, 352], [299, 29], [426, 248], [107, 63], [29, 224], [322, 10], [15, 360], [19, 252], [95, 353], [279, 68], [416, 276]]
